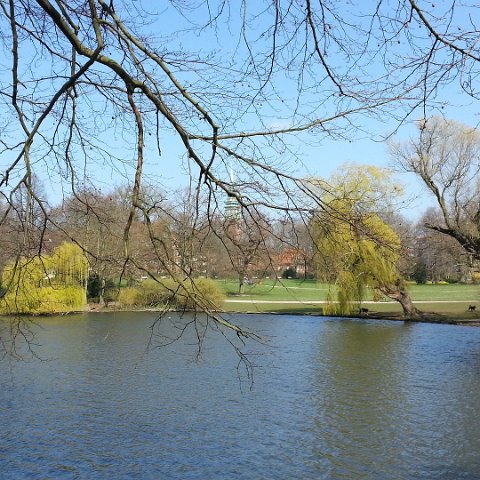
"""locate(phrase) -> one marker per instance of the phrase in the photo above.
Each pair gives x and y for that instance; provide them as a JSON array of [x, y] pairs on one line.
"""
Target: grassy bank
[[297, 296]]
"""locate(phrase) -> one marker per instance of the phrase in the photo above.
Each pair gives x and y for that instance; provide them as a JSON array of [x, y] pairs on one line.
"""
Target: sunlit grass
[[296, 297]]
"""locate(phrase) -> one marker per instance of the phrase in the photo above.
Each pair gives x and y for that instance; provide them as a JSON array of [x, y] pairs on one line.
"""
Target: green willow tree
[[46, 284], [356, 249]]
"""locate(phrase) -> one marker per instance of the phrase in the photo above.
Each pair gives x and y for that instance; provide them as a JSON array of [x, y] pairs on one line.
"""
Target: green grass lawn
[[265, 297], [274, 290], [445, 292], [310, 290]]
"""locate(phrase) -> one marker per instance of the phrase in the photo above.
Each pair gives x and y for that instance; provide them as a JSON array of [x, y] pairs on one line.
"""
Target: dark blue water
[[331, 399]]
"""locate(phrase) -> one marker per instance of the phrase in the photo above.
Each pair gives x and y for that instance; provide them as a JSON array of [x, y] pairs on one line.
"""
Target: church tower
[[232, 209]]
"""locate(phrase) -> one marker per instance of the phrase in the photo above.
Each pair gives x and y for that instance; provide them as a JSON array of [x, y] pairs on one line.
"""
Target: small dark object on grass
[[471, 308], [364, 311]]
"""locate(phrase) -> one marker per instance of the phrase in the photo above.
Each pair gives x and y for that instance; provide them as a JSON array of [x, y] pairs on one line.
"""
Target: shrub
[[129, 297], [200, 293], [290, 272], [475, 278], [94, 285], [150, 293], [154, 293], [110, 294], [420, 273]]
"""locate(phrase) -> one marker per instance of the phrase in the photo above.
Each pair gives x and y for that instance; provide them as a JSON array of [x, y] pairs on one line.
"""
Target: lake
[[330, 399]]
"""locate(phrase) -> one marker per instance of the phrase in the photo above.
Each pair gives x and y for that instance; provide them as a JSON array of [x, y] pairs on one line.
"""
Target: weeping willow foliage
[[356, 249], [359, 257], [46, 284]]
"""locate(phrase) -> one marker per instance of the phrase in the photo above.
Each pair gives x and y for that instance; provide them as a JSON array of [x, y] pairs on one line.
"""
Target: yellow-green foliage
[[61, 299], [46, 284], [149, 293], [69, 264], [475, 277], [356, 248], [360, 188], [358, 259], [155, 293], [130, 297], [200, 293]]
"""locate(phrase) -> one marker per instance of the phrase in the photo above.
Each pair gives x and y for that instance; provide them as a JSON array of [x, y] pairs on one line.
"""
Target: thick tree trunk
[[398, 293]]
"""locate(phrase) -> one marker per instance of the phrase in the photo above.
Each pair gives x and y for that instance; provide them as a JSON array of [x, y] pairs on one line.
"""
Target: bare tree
[[442, 257], [446, 157]]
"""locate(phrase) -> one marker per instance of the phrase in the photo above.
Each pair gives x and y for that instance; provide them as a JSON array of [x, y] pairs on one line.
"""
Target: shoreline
[[427, 317]]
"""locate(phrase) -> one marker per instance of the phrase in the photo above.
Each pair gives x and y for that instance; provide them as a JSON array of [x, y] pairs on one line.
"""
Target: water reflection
[[358, 391], [385, 408], [333, 399]]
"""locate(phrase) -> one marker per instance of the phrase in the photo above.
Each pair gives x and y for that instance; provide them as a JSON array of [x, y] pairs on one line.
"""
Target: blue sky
[[317, 155], [321, 156]]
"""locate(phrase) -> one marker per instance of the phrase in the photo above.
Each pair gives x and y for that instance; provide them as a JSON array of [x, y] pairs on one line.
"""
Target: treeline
[[177, 238], [169, 236], [345, 230]]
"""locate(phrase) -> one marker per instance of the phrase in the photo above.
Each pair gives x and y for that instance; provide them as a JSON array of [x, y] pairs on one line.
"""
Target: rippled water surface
[[332, 399]]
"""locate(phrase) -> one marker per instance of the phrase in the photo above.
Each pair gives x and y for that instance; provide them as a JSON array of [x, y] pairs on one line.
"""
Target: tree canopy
[[446, 157], [113, 84], [47, 283], [356, 249]]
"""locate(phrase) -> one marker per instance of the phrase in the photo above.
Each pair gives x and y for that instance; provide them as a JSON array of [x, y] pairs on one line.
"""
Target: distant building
[[294, 258], [232, 210]]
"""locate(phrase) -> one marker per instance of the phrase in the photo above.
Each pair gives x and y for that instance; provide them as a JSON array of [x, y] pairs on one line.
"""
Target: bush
[[420, 273], [149, 294], [154, 293], [475, 278], [129, 297], [290, 272], [94, 285], [200, 293], [110, 295]]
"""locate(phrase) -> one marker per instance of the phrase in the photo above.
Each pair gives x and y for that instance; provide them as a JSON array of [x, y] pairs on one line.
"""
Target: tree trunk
[[241, 283], [101, 293], [398, 293]]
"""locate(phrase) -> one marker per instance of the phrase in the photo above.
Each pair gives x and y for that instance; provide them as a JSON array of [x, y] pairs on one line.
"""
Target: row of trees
[[355, 241]]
